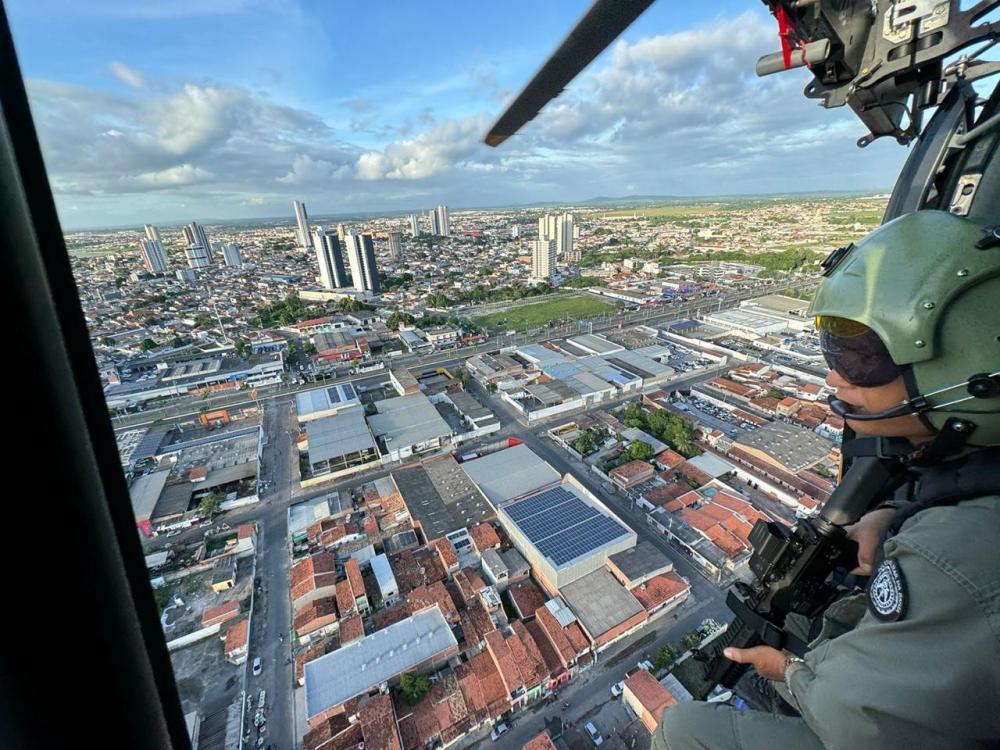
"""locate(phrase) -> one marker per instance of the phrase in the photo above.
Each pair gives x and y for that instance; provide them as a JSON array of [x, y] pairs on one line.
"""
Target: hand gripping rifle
[[797, 569]]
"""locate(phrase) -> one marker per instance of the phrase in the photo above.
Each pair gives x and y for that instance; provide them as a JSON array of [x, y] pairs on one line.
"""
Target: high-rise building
[[152, 233], [515, 232], [432, 219], [414, 226], [441, 214], [153, 256], [543, 259], [361, 257], [187, 274], [342, 232], [302, 234], [547, 227], [195, 236], [564, 235], [558, 227], [197, 256], [395, 245], [231, 253], [330, 258]]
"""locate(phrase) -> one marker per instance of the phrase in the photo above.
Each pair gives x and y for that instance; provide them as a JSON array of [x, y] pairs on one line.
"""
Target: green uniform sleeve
[[927, 680]]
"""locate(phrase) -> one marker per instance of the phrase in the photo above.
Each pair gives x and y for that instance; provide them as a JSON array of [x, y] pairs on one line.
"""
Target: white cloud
[[307, 170], [184, 174], [678, 114], [442, 147], [127, 75]]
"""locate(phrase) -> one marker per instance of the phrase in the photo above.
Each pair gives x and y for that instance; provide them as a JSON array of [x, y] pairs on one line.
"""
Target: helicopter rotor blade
[[599, 27]]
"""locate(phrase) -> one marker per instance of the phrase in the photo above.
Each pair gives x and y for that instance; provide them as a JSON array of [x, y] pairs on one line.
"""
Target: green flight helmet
[[933, 297]]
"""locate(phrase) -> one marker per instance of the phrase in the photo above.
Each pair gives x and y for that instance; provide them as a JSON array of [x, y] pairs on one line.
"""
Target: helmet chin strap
[[843, 410]]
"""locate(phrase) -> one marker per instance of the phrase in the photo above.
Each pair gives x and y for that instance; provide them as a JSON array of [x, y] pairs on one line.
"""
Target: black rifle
[[797, 570]]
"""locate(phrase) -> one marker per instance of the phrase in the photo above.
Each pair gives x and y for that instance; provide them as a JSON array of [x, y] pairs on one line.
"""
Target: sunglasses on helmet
[[855, 352]]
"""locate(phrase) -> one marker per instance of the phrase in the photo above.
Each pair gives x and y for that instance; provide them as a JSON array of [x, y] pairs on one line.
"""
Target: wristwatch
[[789, 662]]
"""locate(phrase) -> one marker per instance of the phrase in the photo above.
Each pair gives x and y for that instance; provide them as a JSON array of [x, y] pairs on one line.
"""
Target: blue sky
[[194, 109]]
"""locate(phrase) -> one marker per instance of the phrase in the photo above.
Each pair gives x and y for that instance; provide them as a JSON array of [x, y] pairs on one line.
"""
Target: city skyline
[[131, 139]]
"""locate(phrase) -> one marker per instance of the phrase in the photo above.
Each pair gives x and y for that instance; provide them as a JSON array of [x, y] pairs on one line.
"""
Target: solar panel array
[[333, 394], [561, 526]]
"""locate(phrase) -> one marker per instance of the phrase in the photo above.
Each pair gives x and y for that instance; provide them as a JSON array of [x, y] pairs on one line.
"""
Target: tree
[[147, 344], [491, 387], [691, 639], [634, 416], [292, 351], [639, 450], [665, 657], [393, 321], [414, 686], [242, 348], [211, 504], [585, 444]]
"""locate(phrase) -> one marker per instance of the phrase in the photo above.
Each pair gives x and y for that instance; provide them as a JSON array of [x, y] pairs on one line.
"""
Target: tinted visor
[[855, 352]]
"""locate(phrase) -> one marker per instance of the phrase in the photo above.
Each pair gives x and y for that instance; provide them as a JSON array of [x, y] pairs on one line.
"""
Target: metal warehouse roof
[[364, 664], [510, 473], [324, 399], [408, 420], [145, 491], [343, 433]]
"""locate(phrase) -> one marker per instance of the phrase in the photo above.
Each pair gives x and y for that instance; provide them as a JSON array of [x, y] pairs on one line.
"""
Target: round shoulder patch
[[887, 592]]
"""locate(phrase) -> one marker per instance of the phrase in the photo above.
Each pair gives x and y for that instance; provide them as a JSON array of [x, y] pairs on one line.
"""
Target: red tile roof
[[378, 723], [484, 536], [220, 614], [560, 641], [427, 596], [504, 660], [539, 742], [531, 650], [527, 597], [476, 623], [577, 638], [553, 663], [346, 600], [446, 551], [245, 531], [632, 469], [659, 589], [353, 571], [670, 458], [315, 615], [650, 693], [236, 636], [472, 691], [314, 572], [351, 629], [494, 693]]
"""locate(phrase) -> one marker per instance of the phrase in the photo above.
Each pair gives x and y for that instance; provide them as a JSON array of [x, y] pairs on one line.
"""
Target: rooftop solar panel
[[565, 516], [544, 501], [349, 391], [593, 533], [334, 395]]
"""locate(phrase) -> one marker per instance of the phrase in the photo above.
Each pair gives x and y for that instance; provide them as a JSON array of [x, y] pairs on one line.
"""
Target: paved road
[[269, 636]]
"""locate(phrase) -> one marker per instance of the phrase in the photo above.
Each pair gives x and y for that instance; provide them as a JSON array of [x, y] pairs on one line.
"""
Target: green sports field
[[537, 314]]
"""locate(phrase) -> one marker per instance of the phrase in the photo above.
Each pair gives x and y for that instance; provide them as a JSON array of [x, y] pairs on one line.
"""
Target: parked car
[[257, 668], [498, 730], [618, 688], [594, 734], [175, 532], [646, 664]]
